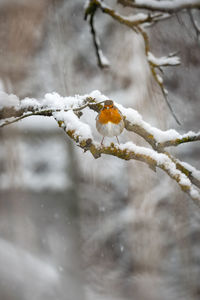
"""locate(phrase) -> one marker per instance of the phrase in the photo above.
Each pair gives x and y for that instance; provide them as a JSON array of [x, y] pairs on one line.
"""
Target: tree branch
[[158, 139], [186, 138], [90, 11], [162, 6], [127, 151]]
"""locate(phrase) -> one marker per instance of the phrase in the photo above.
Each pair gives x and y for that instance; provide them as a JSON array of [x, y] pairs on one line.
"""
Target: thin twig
[[153, 71], [194, 24], [102, 61]]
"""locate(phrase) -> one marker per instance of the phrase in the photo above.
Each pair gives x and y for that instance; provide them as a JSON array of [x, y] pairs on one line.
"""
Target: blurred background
[[72, 227]]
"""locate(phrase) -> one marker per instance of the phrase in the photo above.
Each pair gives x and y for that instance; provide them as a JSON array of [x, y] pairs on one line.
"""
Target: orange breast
[[110, 115]]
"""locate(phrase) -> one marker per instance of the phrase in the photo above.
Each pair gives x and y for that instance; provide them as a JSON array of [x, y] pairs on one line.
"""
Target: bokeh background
[[72, 227]]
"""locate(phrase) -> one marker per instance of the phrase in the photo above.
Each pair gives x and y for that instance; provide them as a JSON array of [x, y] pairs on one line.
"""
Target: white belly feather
[[110, 129]]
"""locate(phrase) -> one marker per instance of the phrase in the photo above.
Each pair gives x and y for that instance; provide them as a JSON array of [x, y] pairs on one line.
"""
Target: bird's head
[[108, 104]]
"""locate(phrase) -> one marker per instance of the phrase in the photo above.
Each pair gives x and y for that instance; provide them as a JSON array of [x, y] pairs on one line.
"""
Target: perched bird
[[109, 121]]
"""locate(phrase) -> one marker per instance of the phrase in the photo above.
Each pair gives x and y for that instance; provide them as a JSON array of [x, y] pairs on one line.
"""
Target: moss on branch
[[177, 142]]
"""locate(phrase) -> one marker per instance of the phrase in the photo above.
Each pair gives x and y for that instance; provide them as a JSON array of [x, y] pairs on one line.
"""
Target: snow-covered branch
[[81, 134], [67, 111], [170, 60], [13, 110], [157, 138], [163, 6], [130, 21]]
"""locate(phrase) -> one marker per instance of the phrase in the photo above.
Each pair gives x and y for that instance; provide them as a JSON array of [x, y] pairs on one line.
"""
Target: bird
[[109, 121]]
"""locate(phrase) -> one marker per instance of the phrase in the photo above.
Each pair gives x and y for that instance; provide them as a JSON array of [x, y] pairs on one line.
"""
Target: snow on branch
[[164, 61], [157, 138], [12, 109], [192, 173], [131, 21], [67, 112], [163, 6]]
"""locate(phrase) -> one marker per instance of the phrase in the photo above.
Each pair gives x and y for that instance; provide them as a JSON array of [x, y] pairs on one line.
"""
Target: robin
[[109, 121]]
